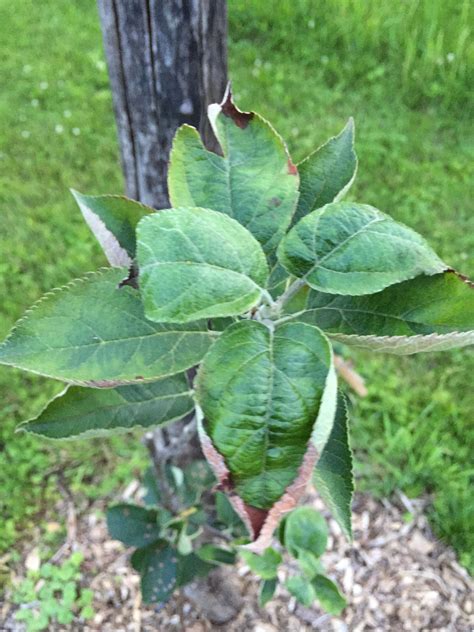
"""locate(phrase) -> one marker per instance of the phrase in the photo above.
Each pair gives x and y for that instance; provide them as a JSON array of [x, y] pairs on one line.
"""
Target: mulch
[[396, 576]]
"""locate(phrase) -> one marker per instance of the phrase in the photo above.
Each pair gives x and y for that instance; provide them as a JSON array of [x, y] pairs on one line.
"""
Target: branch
[[349, 375], [289, 292]]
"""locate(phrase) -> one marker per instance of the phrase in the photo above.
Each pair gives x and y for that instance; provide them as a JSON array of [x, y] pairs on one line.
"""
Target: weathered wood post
[[167, 61]]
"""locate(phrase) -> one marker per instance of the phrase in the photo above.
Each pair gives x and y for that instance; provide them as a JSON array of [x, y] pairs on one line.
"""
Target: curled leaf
[[269, 399]]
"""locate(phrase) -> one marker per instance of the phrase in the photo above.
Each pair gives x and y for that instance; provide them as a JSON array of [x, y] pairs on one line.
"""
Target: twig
[[210, 530], [289, 292], [349, 375]]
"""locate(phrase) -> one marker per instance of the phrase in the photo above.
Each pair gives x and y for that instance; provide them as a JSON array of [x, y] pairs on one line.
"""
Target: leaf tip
[[229, 109], [77, 195]]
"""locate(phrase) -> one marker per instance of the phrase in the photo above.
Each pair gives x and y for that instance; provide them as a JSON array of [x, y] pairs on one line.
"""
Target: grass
[[307, 66]]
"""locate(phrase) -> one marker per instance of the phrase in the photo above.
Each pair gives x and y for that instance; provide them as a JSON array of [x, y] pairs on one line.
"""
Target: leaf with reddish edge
[[262, 494]]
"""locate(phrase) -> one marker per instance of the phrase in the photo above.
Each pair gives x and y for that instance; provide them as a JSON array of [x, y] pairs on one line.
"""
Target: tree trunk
[[167, 62]]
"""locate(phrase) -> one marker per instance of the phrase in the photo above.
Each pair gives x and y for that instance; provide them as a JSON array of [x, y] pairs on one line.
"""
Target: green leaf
[[428, 313], [265, 565], [301, 589], [185, 543], [348, 248], [100, 412], [133, 525], [190, 567], [158, 567], [333, 476], [261, 392], [216, 554], [152, 495], [267, 590], [327, 173], [113, 220], [87, 612], [198, 477], [196, 263], [278, 280], [309, 563], [305, 529], [94, 334], [328, 595], [254, 181], [227, 516]]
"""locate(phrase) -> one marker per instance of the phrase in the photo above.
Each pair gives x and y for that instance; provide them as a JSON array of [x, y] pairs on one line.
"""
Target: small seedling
[[53, 594]]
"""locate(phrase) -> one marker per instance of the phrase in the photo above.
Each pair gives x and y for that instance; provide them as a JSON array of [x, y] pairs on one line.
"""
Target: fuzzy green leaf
[[254, 181], [328, 595], [333, 476], [305, 529], [113, 220], [262, 395], [90, 412], [327, 173], [92, 333], [428, 313], [133, 525], [196, 263], [347, 248]]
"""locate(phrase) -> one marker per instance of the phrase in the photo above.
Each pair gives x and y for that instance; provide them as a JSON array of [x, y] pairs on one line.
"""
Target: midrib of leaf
[[241, 366], [139, 338], [229, 169], [257, 216], [269, 410], [402, 318], [264, 472], [317, 264], [156, 264], [118, 406]]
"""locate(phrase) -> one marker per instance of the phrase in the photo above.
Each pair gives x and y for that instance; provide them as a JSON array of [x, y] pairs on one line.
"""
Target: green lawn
[[307, 66]]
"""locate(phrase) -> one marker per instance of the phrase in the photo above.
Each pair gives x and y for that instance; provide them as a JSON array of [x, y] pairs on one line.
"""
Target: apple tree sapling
[[223, 310]]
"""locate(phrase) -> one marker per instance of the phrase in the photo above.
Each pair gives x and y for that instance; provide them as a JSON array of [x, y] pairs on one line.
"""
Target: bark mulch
[[396, 576]]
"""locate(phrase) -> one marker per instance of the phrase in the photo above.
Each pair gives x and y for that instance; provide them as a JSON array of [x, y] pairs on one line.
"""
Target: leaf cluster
[[252, 275]]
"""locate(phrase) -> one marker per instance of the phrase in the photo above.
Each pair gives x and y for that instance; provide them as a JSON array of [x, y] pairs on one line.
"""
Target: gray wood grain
[[167, 61]]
